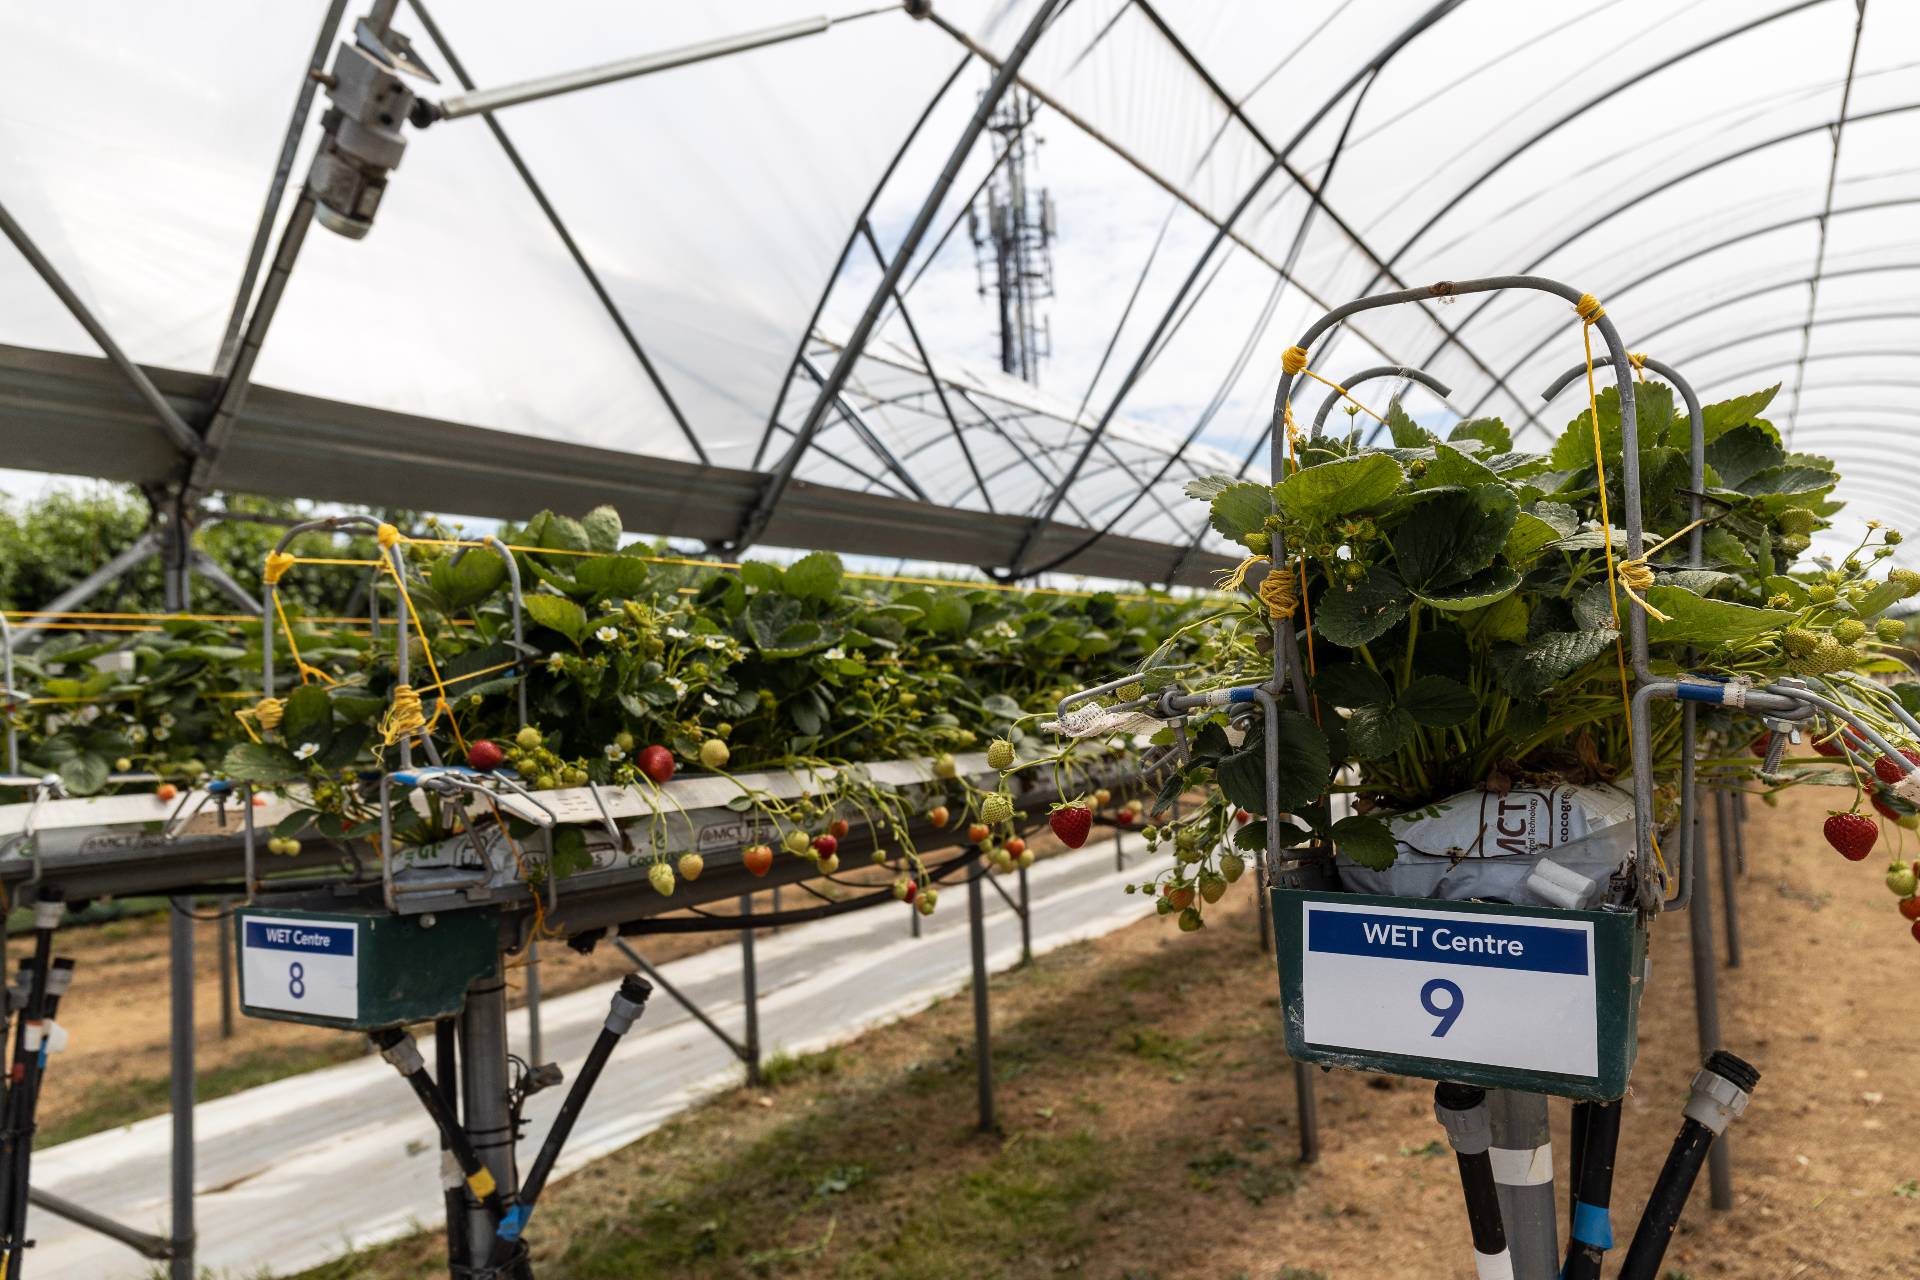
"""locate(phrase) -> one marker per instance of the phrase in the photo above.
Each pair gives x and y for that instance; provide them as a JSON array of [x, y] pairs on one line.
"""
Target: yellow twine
[[1276, 591], [268, 712], [278, 562], [1589, 309], [1294, 361], [1636, 575], [406, 718]]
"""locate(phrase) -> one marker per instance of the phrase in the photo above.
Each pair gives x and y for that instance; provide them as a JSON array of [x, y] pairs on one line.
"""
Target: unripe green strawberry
[[1000, 754], [1793, 543], [1848, 630], [691, 865], [945, 766], [796, 842], [1892, 537], [996, 808], [1906, 579], [1799, 642], [528, 738], [714, 754], [1025, 859], [660, 876], [1128, 692], [1796, 520], [1902, 880], [1821, 593], [1232, 865], [924, 900], [1890, 630], [1258, 543], [1190, 920], [1212, 887]]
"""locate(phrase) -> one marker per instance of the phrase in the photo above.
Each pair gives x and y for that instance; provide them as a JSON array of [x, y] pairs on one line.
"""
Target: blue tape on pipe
[[1242, 695], [1591, 1225], [1700, 692], [513, 1222]]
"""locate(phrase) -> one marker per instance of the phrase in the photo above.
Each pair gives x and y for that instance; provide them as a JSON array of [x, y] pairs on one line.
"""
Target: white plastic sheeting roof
[[1735, 181]]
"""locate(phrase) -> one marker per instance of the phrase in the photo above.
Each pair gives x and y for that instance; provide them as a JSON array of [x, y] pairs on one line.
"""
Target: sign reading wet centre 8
[[1462, 987], [300, 966]]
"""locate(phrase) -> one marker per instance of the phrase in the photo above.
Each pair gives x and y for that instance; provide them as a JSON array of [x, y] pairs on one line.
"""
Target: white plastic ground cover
[[1733, 180], [293, 1173]]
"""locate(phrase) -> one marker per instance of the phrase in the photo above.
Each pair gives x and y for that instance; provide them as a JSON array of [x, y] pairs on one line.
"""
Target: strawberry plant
[[1460, 630]]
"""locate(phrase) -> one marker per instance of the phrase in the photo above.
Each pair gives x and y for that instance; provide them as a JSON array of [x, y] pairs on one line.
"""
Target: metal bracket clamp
[[365, 123]]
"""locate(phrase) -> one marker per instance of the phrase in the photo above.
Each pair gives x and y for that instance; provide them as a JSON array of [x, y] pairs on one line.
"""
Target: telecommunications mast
[[1012, 226]]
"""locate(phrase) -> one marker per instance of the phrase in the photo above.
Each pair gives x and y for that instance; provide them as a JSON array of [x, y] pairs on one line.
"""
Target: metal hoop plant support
[[1335, 396]]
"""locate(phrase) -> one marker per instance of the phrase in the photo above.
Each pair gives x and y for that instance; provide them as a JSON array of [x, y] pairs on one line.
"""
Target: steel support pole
[[1308, 1109], [483, 1089], [180, 1092], [1706, 983], [1522, 1154], [534, 1047], [1026, 922], [750, 992], [982, 1020], [1740, 831], [224, 945], [1725, 827]]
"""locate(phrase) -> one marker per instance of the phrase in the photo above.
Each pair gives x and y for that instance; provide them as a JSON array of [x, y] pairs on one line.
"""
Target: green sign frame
[[411, 969], [1620, 971]]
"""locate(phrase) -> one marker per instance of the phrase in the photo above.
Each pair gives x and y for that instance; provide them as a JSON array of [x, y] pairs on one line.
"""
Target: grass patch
[[121, 1103], [784, 1069]]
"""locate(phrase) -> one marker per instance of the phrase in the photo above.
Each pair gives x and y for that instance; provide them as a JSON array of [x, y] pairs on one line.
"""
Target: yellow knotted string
[[406, 718], [1294, 361], [402, 719], [1636, 575], [278, 562]]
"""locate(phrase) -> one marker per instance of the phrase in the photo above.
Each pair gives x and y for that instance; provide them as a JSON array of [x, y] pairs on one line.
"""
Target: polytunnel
[[570, 300], [1017, 293]]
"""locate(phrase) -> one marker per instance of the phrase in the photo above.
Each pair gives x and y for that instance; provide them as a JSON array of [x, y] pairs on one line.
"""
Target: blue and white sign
[[1494, 990], [300, 966]]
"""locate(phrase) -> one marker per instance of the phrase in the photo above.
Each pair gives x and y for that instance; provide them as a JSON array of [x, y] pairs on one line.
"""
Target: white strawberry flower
[[136, 733], [835, 654], [160, 734], [709, 699], [614, 753], [678, 686], [606, 635], [306, 750], [166, 720], [675, 633]]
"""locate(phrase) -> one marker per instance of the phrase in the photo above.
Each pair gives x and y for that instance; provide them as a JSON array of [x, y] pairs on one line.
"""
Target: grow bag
[[1487, 846]]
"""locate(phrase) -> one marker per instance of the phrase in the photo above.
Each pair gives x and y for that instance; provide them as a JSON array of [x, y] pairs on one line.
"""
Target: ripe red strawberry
[[1853, 834], [1916, 930], [1885, 810], [656, 762], [978, 833], [1888, 770], [938, 815], [485, 755], [1015, 846], [838, 829], [1242, 817], [825, 846], [1910, 908], [758, 859], [1071, 823], [1759, 746]]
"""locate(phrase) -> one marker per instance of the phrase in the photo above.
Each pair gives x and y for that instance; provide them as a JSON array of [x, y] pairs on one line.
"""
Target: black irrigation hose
[[398, 1048], [629, 1002], [1462, 1110], [16, 1147], [1596, 1129], [1720, 1092], [446, 1066]]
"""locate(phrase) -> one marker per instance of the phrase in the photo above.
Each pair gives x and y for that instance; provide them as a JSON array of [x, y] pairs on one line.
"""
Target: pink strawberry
[[1071, 823], [1853, 834]]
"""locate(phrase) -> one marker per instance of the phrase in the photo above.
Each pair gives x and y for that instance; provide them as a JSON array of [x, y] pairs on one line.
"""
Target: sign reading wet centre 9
[[1490, 989]]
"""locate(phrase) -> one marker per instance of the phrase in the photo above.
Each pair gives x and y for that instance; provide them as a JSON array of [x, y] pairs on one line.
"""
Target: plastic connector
[[629, 1002], [399, 1049], [1563, 887], [1721, 1091], [47, 910], [1462, 1112]]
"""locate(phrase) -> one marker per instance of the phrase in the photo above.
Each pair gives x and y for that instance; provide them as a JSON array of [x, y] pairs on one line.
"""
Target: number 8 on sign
[[1449, 1012], [297, 987]]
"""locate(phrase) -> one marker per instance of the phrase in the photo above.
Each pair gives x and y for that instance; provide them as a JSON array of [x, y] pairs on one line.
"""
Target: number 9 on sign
[[1449, 1012]]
